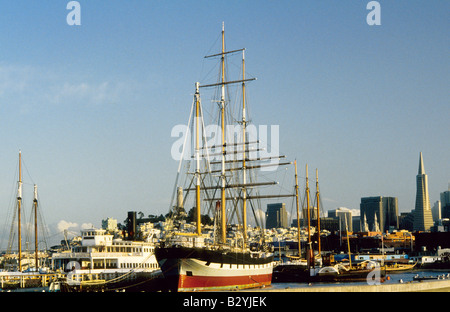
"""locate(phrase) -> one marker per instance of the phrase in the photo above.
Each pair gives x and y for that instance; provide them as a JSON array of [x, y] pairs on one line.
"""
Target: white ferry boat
[[107, 264]]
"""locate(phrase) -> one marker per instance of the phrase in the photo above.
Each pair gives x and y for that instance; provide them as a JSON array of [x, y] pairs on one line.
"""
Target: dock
[[13, 281], [425, 286]]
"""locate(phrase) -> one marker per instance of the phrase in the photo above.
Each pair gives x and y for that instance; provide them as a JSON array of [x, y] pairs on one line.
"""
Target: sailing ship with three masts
[[225, 180]]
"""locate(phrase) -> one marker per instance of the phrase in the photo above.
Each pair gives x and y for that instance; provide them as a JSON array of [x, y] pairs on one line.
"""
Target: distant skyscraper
[[390, 208], [436, 211], [445, 203], [276, 216], [344, 215], [423, 220], [445, 197], [109, 224]]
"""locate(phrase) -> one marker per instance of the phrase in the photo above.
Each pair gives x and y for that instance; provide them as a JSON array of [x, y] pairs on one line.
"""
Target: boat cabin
[[99, 250]]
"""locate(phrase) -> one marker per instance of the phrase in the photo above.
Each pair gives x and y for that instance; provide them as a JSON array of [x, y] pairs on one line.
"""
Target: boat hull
[[111, 280], [290, 273], [357, 276], [300, 274], [198, 269], [437, 265]]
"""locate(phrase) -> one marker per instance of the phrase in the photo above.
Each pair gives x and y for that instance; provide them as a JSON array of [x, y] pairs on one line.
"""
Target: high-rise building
[[276, 216], [445, 204], [406, 221], [344, 215], [109, 224], [390, 207], [379, 213], [436, 211], [423, 220], [312, 213]]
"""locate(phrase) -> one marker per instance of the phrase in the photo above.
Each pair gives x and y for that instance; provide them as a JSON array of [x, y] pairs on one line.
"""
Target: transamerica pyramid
[[423, 219]]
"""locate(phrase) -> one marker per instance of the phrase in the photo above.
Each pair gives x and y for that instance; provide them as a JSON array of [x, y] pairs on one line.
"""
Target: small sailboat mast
[[308, 211], [318, 212], [19, 206], [348, 242], [35, 204], [298, 211]]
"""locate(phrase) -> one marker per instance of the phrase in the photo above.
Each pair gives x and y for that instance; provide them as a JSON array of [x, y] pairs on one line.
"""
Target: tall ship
[[104, 263], [224, 175], [25, 267]]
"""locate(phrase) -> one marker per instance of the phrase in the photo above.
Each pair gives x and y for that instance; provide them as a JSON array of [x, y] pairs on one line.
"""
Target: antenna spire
[[421, 167]]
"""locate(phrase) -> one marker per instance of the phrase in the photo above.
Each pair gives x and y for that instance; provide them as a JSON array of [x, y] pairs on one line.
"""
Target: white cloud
[[86, 226], [84, 93], [66, 225], [14, 78], [26, 87], [73, 227]]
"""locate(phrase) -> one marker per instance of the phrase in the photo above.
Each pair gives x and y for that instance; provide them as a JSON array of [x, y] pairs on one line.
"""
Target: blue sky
[[92, 106]]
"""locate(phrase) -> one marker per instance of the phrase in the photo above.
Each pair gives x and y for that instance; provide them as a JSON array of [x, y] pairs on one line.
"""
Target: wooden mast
[[197, 154], [308, 208], [318, 212], [310, 251], [222, 84], [244, 124], [222, 109], [35, 202], [19, 204], [298, 211], [348, 242]]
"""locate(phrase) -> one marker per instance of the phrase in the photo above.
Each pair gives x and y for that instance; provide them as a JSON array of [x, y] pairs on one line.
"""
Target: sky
[[92, 106]]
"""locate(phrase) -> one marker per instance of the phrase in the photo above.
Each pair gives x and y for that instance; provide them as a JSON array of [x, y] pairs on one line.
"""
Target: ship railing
[[70, 255], [97, 254], [116, 254]]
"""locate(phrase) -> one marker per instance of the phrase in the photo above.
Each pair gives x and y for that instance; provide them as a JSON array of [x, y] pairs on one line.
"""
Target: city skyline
[[92, 106]]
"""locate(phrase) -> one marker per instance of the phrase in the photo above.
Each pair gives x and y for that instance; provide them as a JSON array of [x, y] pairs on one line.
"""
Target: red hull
[[199, 269], [222, 282]]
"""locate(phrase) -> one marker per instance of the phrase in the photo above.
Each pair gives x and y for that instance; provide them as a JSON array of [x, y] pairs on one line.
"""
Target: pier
[[429, 286], [13, 281]]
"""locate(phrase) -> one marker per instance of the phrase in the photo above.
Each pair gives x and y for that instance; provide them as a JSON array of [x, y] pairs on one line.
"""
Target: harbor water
[[391, 278]]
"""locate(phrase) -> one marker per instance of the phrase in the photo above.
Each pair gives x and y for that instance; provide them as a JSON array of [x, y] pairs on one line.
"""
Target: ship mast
[[197, 155], [244, 124], [19, 204], [318, 211], [348, 242], [309, 217], [223, 169], [298, 211], [35, 202], [222, 111]]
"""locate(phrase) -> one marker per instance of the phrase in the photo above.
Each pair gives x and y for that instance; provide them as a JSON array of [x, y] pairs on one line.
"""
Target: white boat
[[101, 262]]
